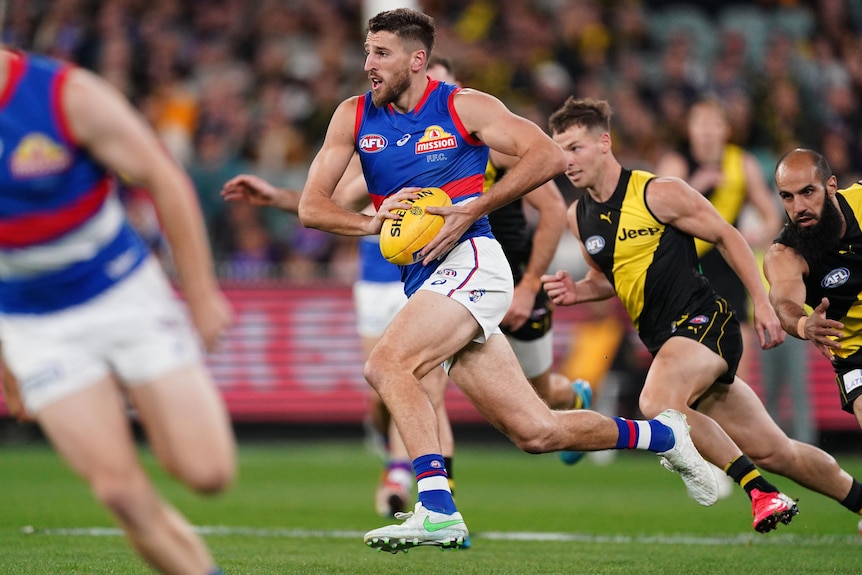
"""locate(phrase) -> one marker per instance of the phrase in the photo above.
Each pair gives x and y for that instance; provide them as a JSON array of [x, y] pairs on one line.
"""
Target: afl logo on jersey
[[372, 143], [836, 278], [594, 244]]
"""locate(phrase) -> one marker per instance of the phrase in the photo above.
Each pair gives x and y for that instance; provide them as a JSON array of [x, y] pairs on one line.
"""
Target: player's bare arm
[[785, 270], [761, 198], [676, 203], [563, 290], [317, 208], [258, 192], [352, 190], [488, 119], [117, 135], [551, 208]]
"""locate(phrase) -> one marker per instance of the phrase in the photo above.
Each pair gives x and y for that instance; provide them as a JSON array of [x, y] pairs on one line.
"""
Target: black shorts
[[848, 378], [716, 327], [539, 322]]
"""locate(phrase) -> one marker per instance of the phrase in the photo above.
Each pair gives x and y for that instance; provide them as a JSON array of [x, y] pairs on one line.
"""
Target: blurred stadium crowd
[[249, 85]]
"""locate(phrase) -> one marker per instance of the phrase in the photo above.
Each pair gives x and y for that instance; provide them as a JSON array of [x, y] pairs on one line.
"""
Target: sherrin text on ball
[[401, 240]]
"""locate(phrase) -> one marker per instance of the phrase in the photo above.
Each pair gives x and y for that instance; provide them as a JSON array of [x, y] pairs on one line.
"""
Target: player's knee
[[783, 457], [210, 475], [378, 369], [649, 406], [214, 479]]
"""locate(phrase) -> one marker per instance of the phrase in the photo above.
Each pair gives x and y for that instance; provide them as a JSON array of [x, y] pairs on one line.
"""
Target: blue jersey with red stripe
[[64, 237], [427, 147]]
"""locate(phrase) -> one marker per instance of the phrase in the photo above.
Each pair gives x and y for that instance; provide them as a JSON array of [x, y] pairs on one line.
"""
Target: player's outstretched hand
[[250, 188], [560, 287], [768, 326], [823, 331]]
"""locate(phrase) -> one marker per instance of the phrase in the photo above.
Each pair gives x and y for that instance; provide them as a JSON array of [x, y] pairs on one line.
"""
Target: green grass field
[[303, 507]]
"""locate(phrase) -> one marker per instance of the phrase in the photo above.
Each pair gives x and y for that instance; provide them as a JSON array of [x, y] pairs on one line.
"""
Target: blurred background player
[[529, 250], [732, 180], [378, 295], [88, 319]]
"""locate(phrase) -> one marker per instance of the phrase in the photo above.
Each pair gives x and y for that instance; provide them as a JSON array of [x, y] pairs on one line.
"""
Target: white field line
[[777, 539]]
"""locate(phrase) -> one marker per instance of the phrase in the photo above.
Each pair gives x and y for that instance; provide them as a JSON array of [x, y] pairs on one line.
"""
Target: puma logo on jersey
[[606, 217]]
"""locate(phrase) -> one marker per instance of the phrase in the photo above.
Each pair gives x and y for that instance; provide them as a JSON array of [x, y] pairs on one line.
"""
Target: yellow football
[[400, 240]]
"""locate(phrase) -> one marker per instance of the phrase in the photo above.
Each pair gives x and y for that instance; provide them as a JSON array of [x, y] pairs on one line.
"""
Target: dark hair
[[585, 112], [407, 24], [821, 166]]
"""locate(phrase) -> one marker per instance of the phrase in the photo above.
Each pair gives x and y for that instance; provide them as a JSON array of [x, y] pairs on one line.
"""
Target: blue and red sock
[[432, 484], [650, 435]]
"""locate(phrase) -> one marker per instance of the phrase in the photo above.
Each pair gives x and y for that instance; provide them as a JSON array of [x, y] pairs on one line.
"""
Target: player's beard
[[814, 241], [392, 89]]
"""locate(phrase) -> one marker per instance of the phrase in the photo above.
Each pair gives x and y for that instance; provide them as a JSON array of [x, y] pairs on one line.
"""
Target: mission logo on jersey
[[435, 139], [38, 155]]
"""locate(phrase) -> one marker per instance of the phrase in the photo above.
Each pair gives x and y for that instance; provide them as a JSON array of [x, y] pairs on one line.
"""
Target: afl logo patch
[[699, 320], [594, 244], [372, 143], [836, 278]]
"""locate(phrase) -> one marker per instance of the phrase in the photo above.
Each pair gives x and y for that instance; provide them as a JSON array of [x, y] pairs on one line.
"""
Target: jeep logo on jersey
[[435, 139], [835, 278], [627, 233], [594, 244], [372, 143]]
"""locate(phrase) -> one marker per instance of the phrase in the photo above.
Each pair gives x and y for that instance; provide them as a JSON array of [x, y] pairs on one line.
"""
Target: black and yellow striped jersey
[[652, 266], [837, 275], [730, 195]]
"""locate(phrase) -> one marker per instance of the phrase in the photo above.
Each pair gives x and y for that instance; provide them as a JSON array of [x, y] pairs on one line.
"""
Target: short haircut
[[407, 24], [584, 112], [821, 166]]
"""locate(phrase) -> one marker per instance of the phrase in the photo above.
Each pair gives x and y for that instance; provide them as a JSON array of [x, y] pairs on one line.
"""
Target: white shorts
[[476, 274], [376, 304], [137, 330], [536, 356]]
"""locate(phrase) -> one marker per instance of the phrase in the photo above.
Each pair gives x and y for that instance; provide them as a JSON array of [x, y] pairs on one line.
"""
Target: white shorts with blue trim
[[376, 305], [137, 330], [476, 274]]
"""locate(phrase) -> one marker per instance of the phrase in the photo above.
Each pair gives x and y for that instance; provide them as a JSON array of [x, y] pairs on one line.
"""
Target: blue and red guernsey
[[64, 237], [427, 147]]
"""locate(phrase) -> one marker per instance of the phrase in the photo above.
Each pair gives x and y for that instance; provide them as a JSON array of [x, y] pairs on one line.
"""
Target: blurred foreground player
[[88, 319]]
